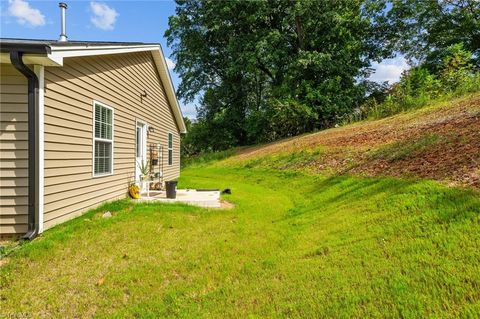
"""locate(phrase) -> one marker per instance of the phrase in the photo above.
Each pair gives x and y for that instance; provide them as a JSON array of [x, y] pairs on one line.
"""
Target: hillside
[[293, 245], [440, 142]]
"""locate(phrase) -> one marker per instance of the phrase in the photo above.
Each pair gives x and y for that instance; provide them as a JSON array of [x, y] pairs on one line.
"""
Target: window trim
[[94, 139], [169, 148]]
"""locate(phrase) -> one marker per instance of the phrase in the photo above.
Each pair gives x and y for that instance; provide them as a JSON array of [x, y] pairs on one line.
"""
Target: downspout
[[33, 218]]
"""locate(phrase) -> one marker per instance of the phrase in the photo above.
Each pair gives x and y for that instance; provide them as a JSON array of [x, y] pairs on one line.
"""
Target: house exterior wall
[[117, 81], [13, 151]]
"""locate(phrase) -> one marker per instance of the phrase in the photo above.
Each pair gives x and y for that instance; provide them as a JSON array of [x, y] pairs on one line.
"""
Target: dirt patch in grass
[[454, 157], [440, 142], [226, 205], [3, 261]]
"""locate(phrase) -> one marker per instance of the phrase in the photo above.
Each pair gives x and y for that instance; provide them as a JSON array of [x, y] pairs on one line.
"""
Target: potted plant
[[144, 170]]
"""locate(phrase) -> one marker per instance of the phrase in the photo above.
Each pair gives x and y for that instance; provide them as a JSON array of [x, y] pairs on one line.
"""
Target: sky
[[137, 21]]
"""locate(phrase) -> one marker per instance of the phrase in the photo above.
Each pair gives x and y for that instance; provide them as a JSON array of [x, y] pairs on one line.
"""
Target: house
[[76, 120]]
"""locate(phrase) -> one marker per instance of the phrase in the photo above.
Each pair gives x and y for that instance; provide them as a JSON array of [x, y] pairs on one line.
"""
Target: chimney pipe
[[63, 35]]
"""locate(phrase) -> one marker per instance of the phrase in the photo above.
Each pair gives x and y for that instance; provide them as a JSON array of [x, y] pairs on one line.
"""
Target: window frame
[[94, 139], [169, 148]]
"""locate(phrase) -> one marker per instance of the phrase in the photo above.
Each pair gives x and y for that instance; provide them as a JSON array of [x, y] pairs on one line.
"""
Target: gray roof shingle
[[37, 46]]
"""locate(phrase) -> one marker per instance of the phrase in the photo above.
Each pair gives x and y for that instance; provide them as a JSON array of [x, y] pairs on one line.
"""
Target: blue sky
[[142, 21]]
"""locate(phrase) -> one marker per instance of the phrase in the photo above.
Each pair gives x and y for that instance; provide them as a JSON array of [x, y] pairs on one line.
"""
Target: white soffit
[[35, 59]]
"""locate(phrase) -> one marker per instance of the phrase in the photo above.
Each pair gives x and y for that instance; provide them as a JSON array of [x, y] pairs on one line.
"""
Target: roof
[[7, 44], [52, 53], [69, 42]]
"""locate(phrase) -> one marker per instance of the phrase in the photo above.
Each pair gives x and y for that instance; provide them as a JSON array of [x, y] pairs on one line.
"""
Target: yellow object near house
[[134, 191], [96, 109]]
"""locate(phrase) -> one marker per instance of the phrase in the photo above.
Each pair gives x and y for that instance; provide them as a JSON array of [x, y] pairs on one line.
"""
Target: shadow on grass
[[121, 210], [449, 204]]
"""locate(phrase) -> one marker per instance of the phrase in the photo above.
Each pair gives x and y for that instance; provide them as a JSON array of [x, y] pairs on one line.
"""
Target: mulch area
[[453, 158]]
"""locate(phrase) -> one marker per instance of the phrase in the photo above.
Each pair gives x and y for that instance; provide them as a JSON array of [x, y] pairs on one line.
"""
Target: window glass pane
[[103, 157], [97, 121], [109, 131], [96, 165], [101, 167], [170, 157], [97, 129], [170, 140], [109, 116], [108, 163], [108, 150], [103, 117], [97, 112], [103, 122]]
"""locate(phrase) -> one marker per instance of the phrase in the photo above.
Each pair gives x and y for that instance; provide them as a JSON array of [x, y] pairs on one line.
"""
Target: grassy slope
[[441, 142], [298, 244], [295, 245]]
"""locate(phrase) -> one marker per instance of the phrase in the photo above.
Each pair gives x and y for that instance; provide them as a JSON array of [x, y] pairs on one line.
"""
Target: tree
[[259, 63], [422, 28]]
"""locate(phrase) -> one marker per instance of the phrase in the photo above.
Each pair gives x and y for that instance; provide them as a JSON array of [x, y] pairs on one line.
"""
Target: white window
[[102, 139], [170, 148]]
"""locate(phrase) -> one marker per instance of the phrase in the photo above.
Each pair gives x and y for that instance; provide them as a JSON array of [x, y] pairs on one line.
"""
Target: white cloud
[[103, 16], [170, 63], [25, 14], [389, 70]]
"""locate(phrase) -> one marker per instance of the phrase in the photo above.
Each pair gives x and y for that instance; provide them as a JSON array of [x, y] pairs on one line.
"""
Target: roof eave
[[164, 74], [26, 48], [53, 55]]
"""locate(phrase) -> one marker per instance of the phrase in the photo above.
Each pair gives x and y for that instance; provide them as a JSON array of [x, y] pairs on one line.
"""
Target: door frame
[[144, 126]]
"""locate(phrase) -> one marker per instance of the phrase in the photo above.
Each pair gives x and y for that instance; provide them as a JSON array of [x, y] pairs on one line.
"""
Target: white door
[[140, 151]]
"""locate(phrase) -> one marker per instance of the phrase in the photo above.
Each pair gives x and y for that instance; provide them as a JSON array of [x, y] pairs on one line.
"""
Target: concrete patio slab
[[209, 199]]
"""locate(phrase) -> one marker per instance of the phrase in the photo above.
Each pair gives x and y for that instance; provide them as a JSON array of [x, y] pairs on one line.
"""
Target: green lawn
[[294, 246]]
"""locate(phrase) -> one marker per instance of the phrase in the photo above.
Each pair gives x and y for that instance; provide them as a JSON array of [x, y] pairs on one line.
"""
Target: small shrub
[[205, 158], [449, 73], [281, 119]]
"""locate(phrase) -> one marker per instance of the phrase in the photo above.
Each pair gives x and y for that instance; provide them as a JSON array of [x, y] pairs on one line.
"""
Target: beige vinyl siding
[[118, 82], [13, 151]]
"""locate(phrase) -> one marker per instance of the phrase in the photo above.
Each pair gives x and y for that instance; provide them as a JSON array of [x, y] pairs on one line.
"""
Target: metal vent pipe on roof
[[63, 34]]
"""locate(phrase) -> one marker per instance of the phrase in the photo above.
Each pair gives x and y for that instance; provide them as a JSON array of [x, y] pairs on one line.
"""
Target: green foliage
[[271, 69], [207, 136], [144, 168], [206, 158], [450, 74], [294, 161], [456, 72], [296, 246], [283, 118], [422, 29], [268, 69]]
